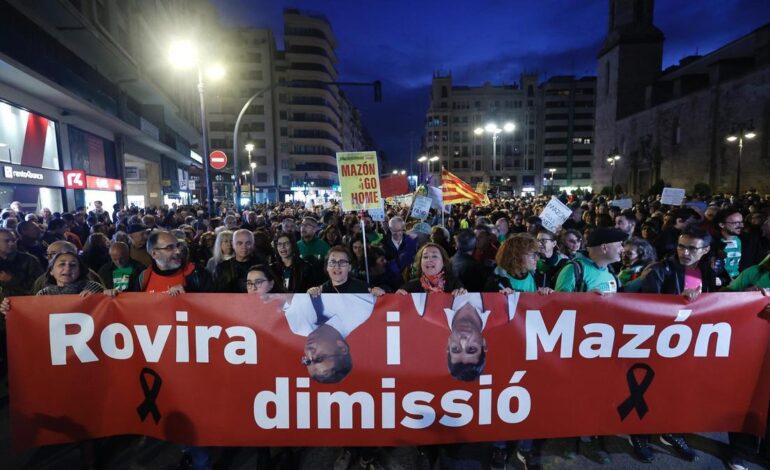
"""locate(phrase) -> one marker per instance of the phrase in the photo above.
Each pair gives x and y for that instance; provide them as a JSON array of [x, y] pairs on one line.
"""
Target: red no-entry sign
[[218, 159]]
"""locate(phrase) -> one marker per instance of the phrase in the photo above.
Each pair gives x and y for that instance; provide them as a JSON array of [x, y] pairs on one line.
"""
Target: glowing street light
[[183, 54], [492, 128], [739, 132]]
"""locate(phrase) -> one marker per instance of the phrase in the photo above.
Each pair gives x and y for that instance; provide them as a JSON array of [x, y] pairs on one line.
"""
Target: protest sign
[[377, 215], [421, 207], [554, 214], [225, 369], [359, 180], [672, 196], [622, 203]]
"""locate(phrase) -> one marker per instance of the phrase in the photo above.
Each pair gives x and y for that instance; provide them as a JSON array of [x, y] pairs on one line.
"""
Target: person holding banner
[[261, 280], [516, 271], [338, 267], [431, 265]]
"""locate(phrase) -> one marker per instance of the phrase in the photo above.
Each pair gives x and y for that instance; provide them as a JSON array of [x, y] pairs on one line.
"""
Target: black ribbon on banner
[[637, 389], [148, 406]]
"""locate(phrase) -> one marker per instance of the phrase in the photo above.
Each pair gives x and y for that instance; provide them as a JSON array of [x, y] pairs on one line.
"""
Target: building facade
[[566, 132], [553, 129], [298, 122], [672, 124], [94, 94]]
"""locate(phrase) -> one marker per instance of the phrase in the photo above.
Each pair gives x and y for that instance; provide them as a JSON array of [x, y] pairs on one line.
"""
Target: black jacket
[[468, 271], [231, 274], [351, 286], [21, 269], [667, 277], [301, 275]]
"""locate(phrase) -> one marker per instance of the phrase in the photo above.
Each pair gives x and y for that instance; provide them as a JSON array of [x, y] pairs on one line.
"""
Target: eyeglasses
[[737, 222], [306, 361], [172, 247], [543, 240], [688, 248], [332, 263], [256, 284], [283, 244]]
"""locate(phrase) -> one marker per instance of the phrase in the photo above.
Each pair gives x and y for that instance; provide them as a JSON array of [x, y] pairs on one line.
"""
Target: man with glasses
[[686, 273], [400, 250], [730, 224], [310, 246], [169, 273]]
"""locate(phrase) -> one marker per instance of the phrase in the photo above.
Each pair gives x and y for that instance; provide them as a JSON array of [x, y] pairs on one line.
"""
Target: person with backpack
[[592, 273]]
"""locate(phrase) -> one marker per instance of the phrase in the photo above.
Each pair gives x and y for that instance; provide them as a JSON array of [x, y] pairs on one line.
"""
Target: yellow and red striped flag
[[457, 191]]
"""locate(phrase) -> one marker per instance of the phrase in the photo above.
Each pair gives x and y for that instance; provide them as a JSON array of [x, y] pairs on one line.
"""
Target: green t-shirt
[[594, 277], [750, 277], [317, 248], [120, 277], [519, 285], [732, 256]]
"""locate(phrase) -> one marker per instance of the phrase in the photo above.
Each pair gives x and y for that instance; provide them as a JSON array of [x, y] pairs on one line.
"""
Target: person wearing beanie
[[604, 247]]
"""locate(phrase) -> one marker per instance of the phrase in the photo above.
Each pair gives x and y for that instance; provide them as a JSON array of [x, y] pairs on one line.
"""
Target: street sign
[[218, 159]]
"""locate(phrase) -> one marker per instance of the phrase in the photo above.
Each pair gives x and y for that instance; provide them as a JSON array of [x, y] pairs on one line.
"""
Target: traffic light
[[377, 91]]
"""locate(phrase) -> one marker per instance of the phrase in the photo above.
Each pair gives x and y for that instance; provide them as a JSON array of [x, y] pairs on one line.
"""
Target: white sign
[[672, 196], [622, 203], [191, 185], [421, 207], [377, 215], [554, 214]]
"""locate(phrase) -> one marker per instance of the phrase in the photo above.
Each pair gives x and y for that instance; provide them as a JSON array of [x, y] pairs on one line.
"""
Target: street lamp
[[612, 160], [739, 132], [253, 185], [431, 160], [183, 54], [249, 148], [421, 160], [492, 128], [552, 171]]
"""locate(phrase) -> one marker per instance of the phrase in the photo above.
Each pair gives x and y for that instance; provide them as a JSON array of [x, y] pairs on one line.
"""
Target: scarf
[[433, 283]]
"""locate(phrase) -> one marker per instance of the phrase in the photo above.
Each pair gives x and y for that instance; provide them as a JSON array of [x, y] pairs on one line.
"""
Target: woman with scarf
[[637, 255], [431, 265]]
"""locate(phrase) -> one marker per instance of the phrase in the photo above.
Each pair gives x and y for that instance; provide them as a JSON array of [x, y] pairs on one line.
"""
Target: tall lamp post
[[739, 132], [612, 160], [249, 148], [252, 185], [421, 160], [495, 131], [552, 171], [183, 54], [431, 160]]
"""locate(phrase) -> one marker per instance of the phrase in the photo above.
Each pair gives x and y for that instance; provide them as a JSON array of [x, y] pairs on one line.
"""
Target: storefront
[[94, 160], [90, 188], [29, 156]]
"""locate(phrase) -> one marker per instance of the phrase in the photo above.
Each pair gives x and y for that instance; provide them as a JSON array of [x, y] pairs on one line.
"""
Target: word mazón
[[600, 338]]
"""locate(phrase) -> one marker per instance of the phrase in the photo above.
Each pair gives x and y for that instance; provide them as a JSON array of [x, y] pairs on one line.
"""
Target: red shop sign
[[103, 184]]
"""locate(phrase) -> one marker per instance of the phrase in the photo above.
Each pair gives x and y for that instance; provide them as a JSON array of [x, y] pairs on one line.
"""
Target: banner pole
[[366, 255]]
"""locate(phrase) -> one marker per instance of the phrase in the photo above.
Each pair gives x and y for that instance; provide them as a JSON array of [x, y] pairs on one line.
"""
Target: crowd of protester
[[708, 244]]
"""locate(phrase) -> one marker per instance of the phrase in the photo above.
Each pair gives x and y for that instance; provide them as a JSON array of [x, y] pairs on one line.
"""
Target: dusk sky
[[403, 43]]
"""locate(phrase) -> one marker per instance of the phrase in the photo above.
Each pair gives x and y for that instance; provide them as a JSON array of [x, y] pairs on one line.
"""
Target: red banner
[[229, 369]]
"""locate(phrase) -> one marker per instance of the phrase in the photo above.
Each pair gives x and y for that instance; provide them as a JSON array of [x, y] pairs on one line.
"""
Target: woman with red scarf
[[432, 276]]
